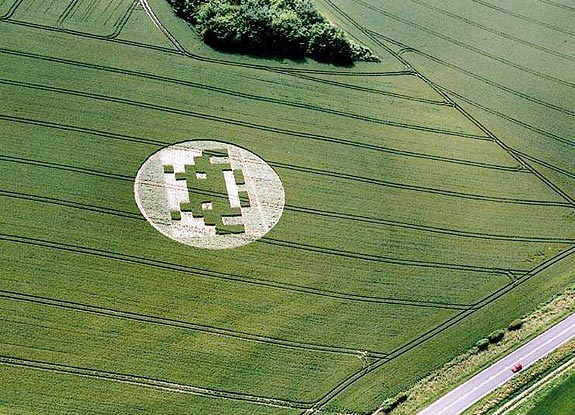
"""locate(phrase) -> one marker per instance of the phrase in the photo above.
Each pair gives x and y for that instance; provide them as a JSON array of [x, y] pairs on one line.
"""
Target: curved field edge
[[293, 29], [117, 116], [191, 43], [401, 373]]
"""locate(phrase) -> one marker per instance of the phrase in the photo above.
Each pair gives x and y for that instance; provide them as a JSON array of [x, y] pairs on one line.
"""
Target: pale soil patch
[[232, 188], [158, 193]]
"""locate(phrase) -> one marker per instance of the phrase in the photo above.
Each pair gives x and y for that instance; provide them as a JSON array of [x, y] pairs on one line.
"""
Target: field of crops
[[429, 201], [558, 401]]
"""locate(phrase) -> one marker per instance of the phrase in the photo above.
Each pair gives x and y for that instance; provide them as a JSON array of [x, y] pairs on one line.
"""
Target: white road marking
[[507, 361]]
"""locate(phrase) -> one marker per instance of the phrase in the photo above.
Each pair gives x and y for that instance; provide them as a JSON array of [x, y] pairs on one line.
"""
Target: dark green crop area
[[278, 28], [558, 401], [429, 201]]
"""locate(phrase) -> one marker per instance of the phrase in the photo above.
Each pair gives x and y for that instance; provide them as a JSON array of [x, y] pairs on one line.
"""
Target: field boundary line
[[445, 93], [286, 72], [149, 382], [458, 317], [184, 51], [507, 117], [302, 75], [545, 163], [517, 400], [110, 312], [514, 153], [321, 403], [114, 39], [512, 404], [494, 84]]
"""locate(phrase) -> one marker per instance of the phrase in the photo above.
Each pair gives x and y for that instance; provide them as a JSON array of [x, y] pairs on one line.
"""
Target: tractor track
[[507, 117], [215, 89], [354, 377], [277, 165], [496, 32], [331, 139], [346, 383], [166, 109], [302, 210], [445, 93], [320, 404], [524, 18], [480, 78], [206, 273], [308, 248], [184, 325], [463, 45], [149, 382]]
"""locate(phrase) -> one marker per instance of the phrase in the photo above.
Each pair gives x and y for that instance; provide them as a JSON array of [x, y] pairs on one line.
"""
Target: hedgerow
[[282, 28]]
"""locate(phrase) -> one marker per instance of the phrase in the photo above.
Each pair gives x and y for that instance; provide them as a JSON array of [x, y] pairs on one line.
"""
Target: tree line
[[276, 28]]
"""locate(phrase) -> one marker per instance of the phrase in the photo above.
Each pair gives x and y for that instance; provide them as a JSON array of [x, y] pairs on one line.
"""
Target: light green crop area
[[409, 230]]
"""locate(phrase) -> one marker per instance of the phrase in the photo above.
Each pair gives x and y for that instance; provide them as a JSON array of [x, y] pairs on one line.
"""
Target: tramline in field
[[380, 218]]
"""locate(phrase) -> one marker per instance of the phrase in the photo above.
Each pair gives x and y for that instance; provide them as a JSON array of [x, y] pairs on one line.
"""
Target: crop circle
[[209, 194]]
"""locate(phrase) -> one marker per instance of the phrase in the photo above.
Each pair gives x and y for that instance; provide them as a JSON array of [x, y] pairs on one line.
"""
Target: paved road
[[497, 374]]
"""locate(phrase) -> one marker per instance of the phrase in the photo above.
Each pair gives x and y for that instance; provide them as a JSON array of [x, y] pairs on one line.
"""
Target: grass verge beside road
[[529, 391], [464, 366]]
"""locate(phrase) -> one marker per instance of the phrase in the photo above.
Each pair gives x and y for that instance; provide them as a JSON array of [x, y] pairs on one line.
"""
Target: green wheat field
[[430, 199]]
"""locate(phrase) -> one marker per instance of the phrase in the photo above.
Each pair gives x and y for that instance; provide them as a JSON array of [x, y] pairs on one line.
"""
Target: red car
[[516, 367]]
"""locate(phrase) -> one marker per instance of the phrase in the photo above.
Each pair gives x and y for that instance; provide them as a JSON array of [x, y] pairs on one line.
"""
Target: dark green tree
[[284, 28]]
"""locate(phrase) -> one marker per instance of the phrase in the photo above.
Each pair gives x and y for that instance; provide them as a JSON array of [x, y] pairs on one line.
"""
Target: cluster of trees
[[392, 403], [282, 28], [497, 335]]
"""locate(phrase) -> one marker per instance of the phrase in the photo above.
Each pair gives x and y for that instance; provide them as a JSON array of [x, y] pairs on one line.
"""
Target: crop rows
[[398, 232]]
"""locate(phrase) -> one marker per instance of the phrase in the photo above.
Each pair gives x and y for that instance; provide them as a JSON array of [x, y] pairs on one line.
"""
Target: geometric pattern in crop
[[206, 181], [209, 194]]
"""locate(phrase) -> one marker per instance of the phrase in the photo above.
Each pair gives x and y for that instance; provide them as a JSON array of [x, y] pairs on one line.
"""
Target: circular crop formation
[[209, 194]]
